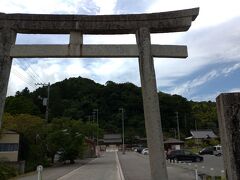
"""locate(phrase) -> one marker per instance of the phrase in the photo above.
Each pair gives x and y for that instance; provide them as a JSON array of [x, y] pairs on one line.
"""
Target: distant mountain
[[76, 98]]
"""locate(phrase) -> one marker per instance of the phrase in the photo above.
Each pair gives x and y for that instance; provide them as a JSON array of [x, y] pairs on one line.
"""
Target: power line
[[34, 72], [21, 77], [27, 70]]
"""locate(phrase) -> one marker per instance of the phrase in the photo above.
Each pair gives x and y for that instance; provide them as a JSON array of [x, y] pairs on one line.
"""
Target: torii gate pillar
[[7, 39], [151, 106], [228, 107]]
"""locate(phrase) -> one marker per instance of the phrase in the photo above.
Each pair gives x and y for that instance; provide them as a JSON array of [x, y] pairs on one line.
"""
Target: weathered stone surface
[[173, 21], [7, 39], [151, 107], [91, 51], [228, 107]]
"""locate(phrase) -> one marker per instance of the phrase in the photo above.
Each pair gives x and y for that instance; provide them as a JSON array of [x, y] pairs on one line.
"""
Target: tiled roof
[[112, 138], [202, 134]]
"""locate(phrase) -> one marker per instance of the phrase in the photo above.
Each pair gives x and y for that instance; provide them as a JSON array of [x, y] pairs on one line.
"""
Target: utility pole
[[47, 107], [178, 126], [93, 120], [96, 110], [123, 144], [47, 100], [185, 121], [93, 116], [97, 148], [195, 125]]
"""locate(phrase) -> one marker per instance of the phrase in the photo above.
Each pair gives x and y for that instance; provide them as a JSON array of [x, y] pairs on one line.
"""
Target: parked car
[[145, 151], [184, 155], [207, 150], [217, 150], [212, 150], [139, 149]]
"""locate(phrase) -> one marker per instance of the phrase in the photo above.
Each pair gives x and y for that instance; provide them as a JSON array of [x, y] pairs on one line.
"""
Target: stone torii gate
[[76, 25]]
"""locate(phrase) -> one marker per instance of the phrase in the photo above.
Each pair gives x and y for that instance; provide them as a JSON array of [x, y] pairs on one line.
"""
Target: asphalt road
[[54, 173], [103, 168], [136, 167], [212, 165]]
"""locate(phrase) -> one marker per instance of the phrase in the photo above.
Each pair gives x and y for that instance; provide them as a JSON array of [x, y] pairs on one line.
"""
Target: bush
[[190, 143], [6, 171]]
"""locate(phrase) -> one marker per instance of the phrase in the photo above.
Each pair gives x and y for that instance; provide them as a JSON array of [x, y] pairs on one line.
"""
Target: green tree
[[31, 130], [66, 137]]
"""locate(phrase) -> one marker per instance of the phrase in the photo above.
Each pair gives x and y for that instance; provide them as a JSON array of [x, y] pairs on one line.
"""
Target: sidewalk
[[53, 173]]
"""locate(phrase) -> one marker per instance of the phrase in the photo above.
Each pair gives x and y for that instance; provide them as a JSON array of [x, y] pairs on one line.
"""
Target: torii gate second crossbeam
[[76, 25]]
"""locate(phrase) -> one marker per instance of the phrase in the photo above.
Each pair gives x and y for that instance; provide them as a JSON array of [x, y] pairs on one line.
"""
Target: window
[[8, 147], [188, 153]]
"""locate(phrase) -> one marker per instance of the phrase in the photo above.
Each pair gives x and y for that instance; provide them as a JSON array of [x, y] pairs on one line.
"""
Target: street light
[[123, 148]]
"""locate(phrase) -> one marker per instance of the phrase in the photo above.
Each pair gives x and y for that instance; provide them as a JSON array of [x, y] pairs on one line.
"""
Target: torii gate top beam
[[172, 21]]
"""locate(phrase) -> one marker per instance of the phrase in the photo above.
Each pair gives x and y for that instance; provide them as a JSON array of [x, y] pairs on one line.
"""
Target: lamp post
[[123, 148]]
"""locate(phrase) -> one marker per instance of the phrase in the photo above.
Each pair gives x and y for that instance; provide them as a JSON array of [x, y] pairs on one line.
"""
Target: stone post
[[7, 39], [228, 107], [151, 106]]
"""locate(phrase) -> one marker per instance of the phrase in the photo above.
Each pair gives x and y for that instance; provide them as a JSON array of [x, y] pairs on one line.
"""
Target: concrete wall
[[11, 156]]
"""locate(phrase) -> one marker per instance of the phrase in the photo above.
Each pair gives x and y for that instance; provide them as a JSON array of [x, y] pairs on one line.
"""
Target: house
[[9, 146], [202, 134], [173, 144], [111, 142], [109, 139]]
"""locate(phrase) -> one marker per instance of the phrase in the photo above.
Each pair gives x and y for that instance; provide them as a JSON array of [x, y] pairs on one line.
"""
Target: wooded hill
[[76, 98]]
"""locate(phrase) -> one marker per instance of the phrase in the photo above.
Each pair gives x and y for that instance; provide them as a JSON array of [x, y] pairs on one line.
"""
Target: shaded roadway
[[136, 167]]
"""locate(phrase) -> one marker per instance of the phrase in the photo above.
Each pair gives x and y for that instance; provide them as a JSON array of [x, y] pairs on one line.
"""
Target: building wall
[[9, 145]]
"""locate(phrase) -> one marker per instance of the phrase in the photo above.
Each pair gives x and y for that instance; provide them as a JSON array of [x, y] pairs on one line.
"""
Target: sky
[[212, 66]]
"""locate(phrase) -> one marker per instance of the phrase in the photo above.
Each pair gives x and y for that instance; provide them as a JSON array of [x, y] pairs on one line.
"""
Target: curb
[[120, 172], [73, 171]]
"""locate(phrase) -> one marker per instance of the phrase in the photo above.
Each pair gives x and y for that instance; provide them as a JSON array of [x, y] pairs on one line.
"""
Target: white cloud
[[42, 39], [228, 70], [75, 68], [214, 38], [46, 6], [51, 70], [106, 6], [19, 79], [207, 97], [234, 90], [213, 96], [115, 70], [109, 39], [188, 87]]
